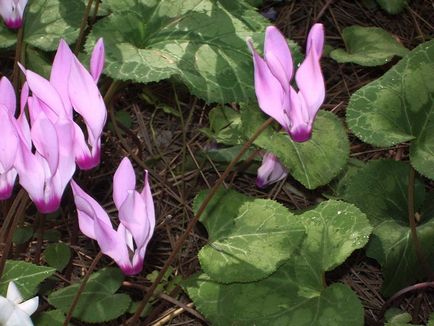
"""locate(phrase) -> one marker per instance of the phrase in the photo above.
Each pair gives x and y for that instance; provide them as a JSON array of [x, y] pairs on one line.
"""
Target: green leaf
[[334, 230], [225, 126], [368, 46], [393, 6], [22, 235], [26, 277], [273, 301], [397, 108], [313, 163], [47, 21], [257, 238], [38, 62], [49, 318], [396, 317], [198, 42], [57, 255], [98, 302], [384, 200], [8, 37]]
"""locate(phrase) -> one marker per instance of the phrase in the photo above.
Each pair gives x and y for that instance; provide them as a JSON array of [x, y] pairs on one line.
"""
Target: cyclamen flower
[[9, 138], [45, 168], [271, 171], [294, 110], [12, 12], [15, 312], [126, 245], [72, 87]]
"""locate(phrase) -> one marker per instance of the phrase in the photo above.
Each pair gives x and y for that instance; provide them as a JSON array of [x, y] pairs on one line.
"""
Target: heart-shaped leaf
[[384, 200], [313, 163], [257, 238], [398, 107], [98, 302], [368, 46], [26, 277], [273, 301], [199, 42], [57, 255]]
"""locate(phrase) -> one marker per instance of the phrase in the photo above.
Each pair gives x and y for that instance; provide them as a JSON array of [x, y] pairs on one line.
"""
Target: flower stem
[[412, 222], [81, 288], [19, 57], [83, 27], [192, 223], [14, 215]]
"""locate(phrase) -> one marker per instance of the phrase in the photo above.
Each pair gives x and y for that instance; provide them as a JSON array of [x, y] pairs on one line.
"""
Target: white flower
[[15, 312]]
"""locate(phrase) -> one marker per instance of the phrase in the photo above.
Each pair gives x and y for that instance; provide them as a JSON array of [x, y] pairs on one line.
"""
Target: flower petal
[[97, 60], [29, 306], [124, 180], [13, 293], [271, 171], [7, 95], [309, 78], [46, 142], [278, 56], [269, 91], [60, 72], [132, 215], [9, 140], [87, 100], [149, 202]]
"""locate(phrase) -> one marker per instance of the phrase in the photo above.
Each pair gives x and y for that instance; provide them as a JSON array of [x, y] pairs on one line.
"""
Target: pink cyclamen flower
[[9, 138], [44, 164], [271, 171], [72, 87], [126, 245], [12, 12], [294, 110]]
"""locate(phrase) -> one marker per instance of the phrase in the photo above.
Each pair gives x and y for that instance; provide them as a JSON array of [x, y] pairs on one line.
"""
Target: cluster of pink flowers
[[43, 146]]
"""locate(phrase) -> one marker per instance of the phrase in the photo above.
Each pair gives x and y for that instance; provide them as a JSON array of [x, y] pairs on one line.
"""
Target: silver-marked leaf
[[334, 230], [26, 277], [313, 163], [48, 21], [258, 238], [57, 255], [398, 107], [273, 301], [380, 190], [199, 42], [368, 46]]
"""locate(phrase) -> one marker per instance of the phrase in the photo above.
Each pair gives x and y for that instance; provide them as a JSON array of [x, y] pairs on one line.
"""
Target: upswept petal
[[269, 91], [59, 72], [132, 215], [7, 95], [124, 180], [31, 173], [97, 60], [29, 306], [278, 56], [87, 100], [46, 142], [309, 78], [88, 209], [44, 91], [9, 140], [111, 244], [13, 293], [149, 202]]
